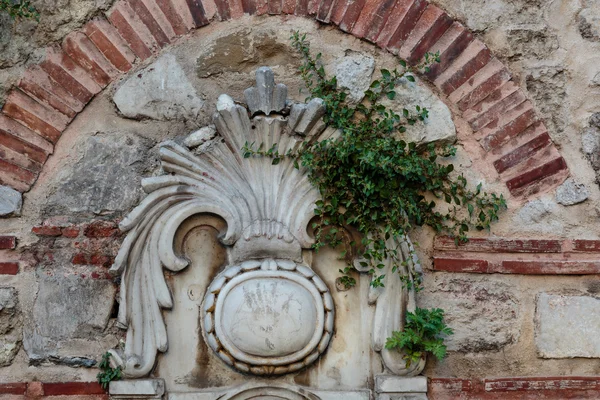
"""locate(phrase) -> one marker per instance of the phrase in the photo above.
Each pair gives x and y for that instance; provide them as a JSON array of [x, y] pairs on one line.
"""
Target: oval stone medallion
[[269, 316]]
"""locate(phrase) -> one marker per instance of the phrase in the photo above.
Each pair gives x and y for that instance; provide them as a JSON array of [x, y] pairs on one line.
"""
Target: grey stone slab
[[437, 127], [567, 326], [139, 388], [67, 308], [353, 73], [396, 384], [160, 91], [571, 192], [11, 202], [106, 178]]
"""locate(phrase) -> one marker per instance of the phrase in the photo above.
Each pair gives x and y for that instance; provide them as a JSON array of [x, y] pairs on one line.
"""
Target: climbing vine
[[107, 373], [19, 9], [371, 179]]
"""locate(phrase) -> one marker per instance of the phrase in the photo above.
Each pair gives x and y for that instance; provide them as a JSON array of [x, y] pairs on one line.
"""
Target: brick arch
[[51, 94]]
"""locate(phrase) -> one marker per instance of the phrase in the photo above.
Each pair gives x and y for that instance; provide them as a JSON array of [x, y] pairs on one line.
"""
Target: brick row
[[51, 94], [499, 245], [515, 388], [521, 267]]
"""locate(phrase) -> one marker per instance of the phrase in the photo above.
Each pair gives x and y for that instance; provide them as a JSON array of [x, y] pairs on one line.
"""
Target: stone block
[[567, 326], [161, 91], [571, 192], [354, 72], [105, 179], [10, 326], [11, 202], [392, 383], [67, 311], [438, 127], [483, 311], [137, 389]]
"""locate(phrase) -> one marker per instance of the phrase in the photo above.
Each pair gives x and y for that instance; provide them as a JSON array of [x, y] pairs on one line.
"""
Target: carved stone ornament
[[267, 312]]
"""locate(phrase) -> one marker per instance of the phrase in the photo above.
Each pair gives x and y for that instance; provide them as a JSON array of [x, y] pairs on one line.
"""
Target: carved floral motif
[[268, 292]]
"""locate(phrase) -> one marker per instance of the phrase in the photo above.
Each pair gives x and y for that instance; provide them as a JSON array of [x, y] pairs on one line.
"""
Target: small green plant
[[20, 9], [108, 373], [371, 179], [422, 334]]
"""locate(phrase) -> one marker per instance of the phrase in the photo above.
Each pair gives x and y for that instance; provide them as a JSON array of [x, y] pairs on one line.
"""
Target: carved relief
[[267, 312]]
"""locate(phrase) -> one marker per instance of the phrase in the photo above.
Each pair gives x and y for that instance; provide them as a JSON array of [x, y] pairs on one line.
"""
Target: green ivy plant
[[422, 334], [108, 373], [371, 179], [20, 9]]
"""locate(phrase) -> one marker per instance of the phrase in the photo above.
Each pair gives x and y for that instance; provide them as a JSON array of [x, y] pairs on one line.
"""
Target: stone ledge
[[137, 389], [392, 383]]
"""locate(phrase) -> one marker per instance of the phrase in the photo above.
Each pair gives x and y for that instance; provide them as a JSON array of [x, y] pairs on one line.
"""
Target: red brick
[[549, 267], [132, 29], [16, 177], [72, 388], [176, 21], [351, 15], [450, 46], [590, 246], [70, 231], [13, 388], [46, 122], [405, 27], [522, 153], [536, 174], [100, 229], [323, 12], [57, 56], [160, 18], [35, 390], [481, 85], [80, 259], [460, 265], [372, 19], [301, 8], [189, 12], [453, 387], [81, 50], [393, 20], [430, 27], [38, 85], [149, 21], [47, 230], [499, 245], [69, 75], [461, 73], [30, 152], [8, 242], [508, 126], [8, 268], [249, 7], [15, 129], [287, 6], [498, 103], [101, 259], [224, 11], [110, 43]]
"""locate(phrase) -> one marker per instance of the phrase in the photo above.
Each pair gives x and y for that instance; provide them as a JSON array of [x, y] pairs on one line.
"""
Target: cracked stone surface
[[160, 91]]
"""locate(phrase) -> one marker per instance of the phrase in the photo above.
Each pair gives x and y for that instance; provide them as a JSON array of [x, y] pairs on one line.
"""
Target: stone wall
[[507, 293]]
